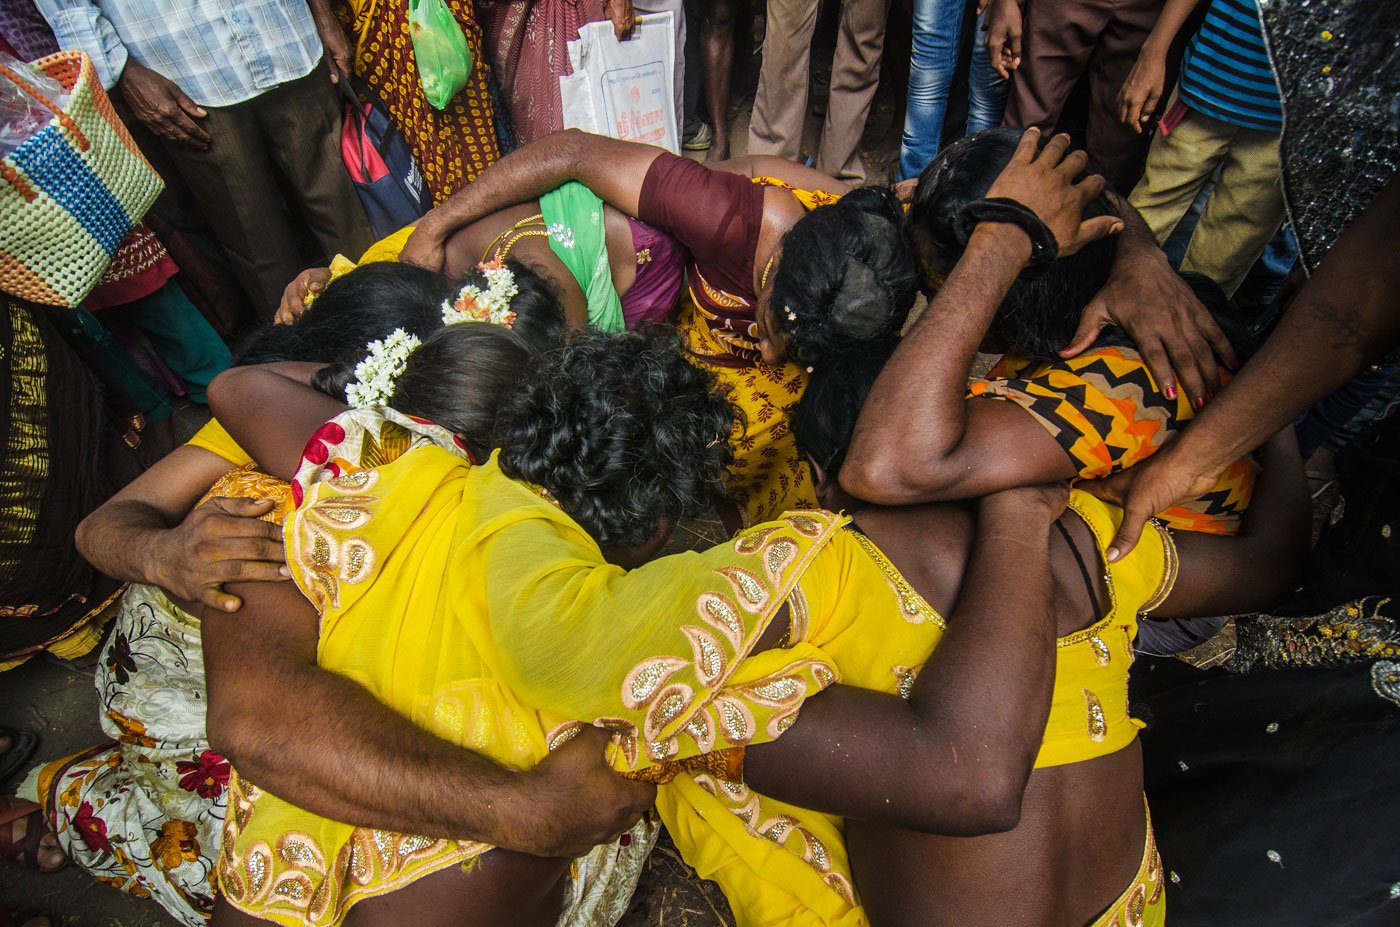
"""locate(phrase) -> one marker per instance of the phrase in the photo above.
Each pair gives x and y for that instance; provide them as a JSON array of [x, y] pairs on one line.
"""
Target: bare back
[[1082, 827]]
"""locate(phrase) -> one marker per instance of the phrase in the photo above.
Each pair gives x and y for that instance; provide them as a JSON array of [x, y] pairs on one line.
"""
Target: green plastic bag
[[444, 58]]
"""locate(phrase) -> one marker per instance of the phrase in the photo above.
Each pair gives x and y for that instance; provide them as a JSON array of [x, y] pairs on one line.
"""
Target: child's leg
[[1178, 165]]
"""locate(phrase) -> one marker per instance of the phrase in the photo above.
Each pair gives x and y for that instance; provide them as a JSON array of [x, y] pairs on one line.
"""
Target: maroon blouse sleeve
[[716, 215]]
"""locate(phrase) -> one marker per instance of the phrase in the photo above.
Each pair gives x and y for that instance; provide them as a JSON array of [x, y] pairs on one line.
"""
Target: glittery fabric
[[1338, 68], [1352, 632]]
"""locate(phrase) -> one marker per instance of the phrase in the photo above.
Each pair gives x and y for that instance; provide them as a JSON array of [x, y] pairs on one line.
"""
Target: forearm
[[523, 175], [915, 417], [955, 758], [122, 540], [1173, 16], [1346, 316], [354, 768]]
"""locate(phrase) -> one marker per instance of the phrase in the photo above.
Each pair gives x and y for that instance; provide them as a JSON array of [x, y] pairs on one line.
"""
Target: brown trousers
[[291, 131], [1062, 40]]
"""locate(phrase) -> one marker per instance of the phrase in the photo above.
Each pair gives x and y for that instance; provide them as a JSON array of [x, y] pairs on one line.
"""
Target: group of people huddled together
[[897, 695]]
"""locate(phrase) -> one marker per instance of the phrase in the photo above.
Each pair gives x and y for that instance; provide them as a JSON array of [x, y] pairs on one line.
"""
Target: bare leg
[[717, 62], [502, 888]]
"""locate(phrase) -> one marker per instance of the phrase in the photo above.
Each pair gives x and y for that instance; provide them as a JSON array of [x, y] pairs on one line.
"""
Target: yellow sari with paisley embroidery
[[470, 604]]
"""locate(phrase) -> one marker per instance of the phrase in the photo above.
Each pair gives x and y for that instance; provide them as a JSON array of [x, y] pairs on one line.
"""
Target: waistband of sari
[[1143, 903]]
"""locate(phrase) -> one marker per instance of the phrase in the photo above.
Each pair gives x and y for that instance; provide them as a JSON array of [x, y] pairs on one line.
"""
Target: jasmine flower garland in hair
[[473, 304], [375, 375]]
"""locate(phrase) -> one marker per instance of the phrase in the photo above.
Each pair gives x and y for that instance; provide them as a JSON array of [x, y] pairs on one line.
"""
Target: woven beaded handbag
[[70, 192]]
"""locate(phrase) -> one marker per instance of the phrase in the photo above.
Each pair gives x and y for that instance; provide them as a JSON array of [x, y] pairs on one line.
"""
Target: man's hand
[[1137, 100], [163, 106], [303, 286], [623, 16], [1174, 333], [1153, 486], [222, 541], [1004, 36], [340, 60], [426, 247], [1044, 182], [578, 801]]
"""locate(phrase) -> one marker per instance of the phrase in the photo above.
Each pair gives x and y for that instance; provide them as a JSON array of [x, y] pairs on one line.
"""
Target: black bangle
[[1044, 248]]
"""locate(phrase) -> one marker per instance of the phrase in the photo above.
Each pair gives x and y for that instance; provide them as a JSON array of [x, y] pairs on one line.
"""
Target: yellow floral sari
[[473, 606]]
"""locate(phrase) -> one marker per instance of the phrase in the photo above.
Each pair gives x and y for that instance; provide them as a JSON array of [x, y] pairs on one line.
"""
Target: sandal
[[24, 850], [22, 744]]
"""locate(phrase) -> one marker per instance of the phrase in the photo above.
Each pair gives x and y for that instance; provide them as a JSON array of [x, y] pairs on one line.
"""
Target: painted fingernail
[[284, 572], [1170, 391], [1200, 402]]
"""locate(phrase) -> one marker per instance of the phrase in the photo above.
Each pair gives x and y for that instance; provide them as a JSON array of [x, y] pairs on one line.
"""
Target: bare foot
[[719, 149]]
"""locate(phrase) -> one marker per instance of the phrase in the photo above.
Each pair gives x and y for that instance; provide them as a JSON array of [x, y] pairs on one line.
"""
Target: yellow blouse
[[781, 864]]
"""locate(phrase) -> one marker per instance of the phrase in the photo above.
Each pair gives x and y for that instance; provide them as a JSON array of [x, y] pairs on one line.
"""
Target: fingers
[[1053, 154], [216, 598], [1014, 42], [183, 116], [1091, 321], [242, 507], [1159, 365], [236, 549], [1149, 107], [1128, 533], [996, 51], [1092, 230], [1026, 147], [1213, 334], [1195, 366], [253, 571]]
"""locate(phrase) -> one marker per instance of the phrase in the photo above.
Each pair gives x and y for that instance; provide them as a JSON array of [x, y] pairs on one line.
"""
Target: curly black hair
[[846, 275], [622, 431]]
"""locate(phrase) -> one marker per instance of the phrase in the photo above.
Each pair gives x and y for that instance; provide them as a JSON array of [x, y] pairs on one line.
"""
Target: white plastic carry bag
[[624, 89]]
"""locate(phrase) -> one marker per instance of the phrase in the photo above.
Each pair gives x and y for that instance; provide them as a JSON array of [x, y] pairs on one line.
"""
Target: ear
[[821, 481]]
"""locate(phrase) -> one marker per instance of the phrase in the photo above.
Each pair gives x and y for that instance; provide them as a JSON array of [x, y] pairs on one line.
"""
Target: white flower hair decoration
[[375, 375], [473, 304]]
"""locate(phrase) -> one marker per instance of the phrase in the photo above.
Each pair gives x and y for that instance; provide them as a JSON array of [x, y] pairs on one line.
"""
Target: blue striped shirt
[[219, 52], [1226, 72]]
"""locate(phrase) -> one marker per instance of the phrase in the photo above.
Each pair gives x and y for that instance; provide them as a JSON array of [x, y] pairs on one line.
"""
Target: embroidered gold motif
[[1100, 649], [1098, 724], [912, 605]]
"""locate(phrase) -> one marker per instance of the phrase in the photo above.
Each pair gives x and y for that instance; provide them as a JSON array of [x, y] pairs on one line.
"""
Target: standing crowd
[[395, 632]]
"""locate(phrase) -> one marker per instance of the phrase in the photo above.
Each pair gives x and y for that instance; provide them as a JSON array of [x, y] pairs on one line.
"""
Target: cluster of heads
[[625, 434]]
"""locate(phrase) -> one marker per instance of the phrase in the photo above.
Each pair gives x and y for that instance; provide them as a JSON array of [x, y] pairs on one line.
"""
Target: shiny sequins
[[415, 844], [1097, 723], [720, 612], [257, 871], [1100, 650], [779, 690], [1271, 727], [1137, 904], [1385, 680], [779, 553], [1274, 856], [291, 889], [736, 726]]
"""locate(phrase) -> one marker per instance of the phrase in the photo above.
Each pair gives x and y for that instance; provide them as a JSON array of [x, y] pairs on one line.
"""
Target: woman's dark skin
[[1079, 839]]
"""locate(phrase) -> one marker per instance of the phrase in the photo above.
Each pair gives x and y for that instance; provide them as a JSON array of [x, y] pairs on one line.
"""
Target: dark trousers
[[283, 142], [1062, 40]]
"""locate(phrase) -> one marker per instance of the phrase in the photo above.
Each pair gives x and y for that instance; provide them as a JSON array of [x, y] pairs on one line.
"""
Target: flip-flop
[[25, 850], [22, 744]]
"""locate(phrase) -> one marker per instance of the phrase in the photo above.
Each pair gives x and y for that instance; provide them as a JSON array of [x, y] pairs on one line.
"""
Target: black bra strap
[[1083, 570]]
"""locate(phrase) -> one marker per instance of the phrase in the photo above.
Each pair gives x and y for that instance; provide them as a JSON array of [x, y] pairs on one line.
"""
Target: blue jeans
[[937, 34]]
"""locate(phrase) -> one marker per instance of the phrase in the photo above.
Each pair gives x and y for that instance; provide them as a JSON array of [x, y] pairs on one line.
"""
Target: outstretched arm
[[612, 169], [1346, 316], [345, 755], [956, 757], [913, 441]]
